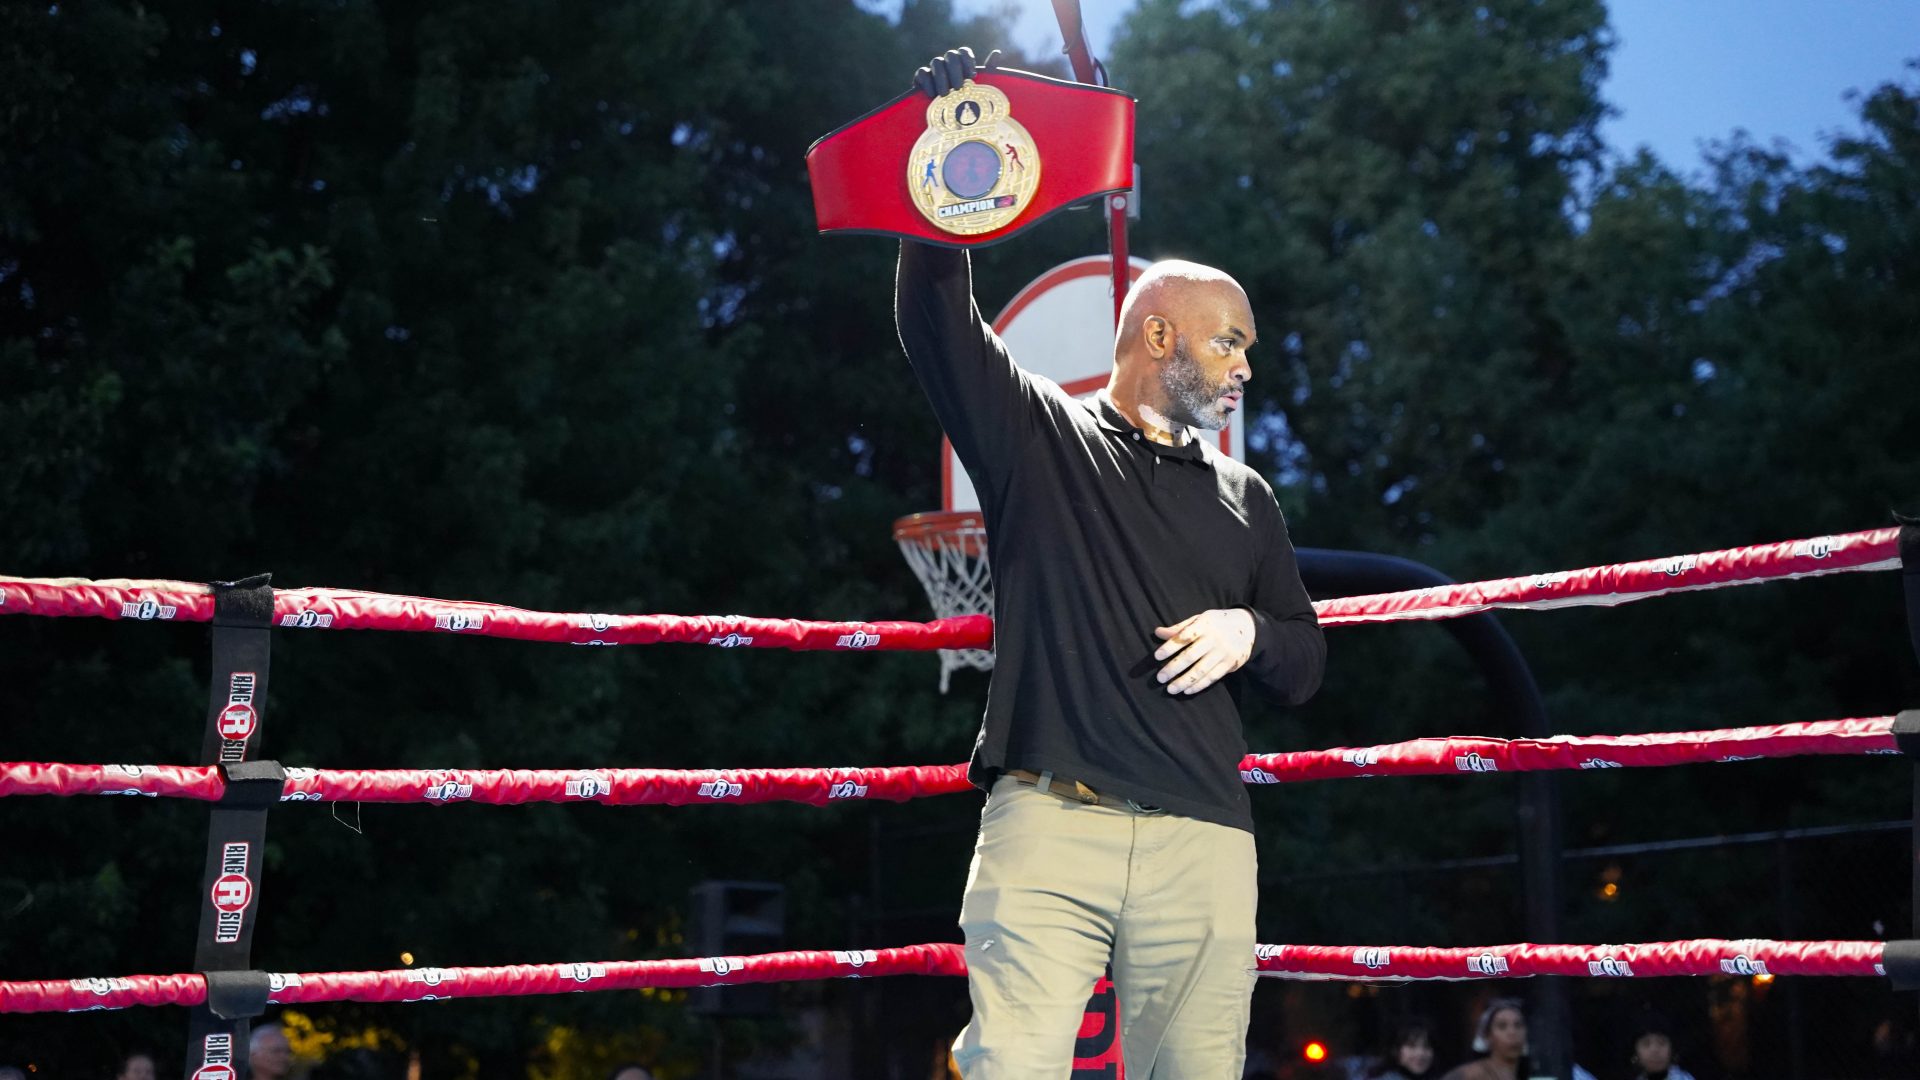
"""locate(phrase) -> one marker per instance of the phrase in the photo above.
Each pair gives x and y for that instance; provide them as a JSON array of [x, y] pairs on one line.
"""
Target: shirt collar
[[1115, 422]]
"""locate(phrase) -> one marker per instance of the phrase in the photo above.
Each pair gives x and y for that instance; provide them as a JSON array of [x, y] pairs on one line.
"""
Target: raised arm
[[982, 399]]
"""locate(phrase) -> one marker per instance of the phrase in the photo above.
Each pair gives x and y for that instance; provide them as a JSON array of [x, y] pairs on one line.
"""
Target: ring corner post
[[218, 1029], [1907, 725]]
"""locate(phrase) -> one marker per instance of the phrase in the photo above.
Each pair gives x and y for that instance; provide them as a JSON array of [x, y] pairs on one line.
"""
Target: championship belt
[[975, 166]]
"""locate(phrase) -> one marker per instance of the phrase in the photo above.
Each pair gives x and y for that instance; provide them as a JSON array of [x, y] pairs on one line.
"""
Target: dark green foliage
[[522, 302]]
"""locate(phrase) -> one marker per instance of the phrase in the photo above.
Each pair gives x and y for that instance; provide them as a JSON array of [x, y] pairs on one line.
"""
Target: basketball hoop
[[948, 552]]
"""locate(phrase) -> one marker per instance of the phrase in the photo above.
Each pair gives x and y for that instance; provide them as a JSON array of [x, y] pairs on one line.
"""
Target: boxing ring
[[241, 787]]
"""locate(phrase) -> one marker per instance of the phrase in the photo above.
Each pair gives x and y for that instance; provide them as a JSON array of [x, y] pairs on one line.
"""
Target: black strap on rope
[[236, 832], [1902, 964], [1906, 733], [1910, 574]]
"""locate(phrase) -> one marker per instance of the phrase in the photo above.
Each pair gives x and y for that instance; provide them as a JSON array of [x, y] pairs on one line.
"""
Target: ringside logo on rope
[[859, 639], [457, 621], [722, 966], [445, 787], [734, 641], [301, 775], [1609, 967], [722, 788], [855, 958], [1743, 965], [232, 892], [1487, 964], [1820, 547], [1371, 959], [432, 977], [1472, 761], [147, 608], [582, 973], [1257, 775], [590, 786], [847, 789], [100, 987], [131, 772], [594, 624], [1361, 759], [306, 619]]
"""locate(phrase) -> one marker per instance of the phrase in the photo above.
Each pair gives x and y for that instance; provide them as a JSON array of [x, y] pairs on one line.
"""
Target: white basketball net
[[952, 565]]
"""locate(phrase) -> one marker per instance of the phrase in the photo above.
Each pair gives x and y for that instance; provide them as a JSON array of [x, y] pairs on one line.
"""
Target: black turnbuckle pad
[[246, 602], [236, 995], [253, 784]]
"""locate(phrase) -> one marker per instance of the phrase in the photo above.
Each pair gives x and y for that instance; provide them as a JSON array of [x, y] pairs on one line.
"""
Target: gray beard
[[1193, 399]]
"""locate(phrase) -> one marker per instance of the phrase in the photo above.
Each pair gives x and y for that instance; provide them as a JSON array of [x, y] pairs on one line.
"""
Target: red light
[[1315, 1052]]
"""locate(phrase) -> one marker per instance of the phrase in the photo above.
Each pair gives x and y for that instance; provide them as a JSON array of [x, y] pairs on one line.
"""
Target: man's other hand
[[944, 73], [1204, 648]]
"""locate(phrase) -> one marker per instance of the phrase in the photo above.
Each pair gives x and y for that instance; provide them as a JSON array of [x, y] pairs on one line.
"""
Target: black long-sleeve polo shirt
[[1096, 535]]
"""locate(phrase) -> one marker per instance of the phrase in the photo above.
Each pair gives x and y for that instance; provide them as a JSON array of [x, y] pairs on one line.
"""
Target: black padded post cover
[[236, 829]]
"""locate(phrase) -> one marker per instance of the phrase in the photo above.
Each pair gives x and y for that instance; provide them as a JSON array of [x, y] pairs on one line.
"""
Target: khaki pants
[[1059, 888]]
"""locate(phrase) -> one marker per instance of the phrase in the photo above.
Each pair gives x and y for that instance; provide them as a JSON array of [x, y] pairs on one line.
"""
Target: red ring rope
[[342, 609], [345, 609], [1707, 956], [819, 787], [504, 787], [432, 984], [1473, 754], [1607, 586], [1703, 957]]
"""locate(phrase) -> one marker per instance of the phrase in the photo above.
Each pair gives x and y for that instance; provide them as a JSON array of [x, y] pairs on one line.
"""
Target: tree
[[504, 302]]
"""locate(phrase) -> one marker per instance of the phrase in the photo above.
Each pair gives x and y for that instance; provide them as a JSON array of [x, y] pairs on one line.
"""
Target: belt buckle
[[1078, 792]]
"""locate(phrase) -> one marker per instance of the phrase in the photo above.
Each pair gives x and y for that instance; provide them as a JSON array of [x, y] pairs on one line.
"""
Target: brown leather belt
[[1075, 791]]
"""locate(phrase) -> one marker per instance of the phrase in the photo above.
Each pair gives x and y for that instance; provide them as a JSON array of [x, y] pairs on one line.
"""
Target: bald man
[[1135, 568]]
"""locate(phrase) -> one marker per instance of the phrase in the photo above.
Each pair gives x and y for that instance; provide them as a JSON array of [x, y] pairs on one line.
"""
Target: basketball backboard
[[1061, 326]]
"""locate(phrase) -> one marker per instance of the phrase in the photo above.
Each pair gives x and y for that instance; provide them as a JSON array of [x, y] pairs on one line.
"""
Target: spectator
[[631, 1070], [136, 1066], [1653, 1050], [1409, 1056], [269, 1055], [1501, 1035]]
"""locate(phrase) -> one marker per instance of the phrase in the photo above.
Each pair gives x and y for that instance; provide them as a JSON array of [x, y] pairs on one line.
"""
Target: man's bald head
[[1182, 294], [1180, 356]]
